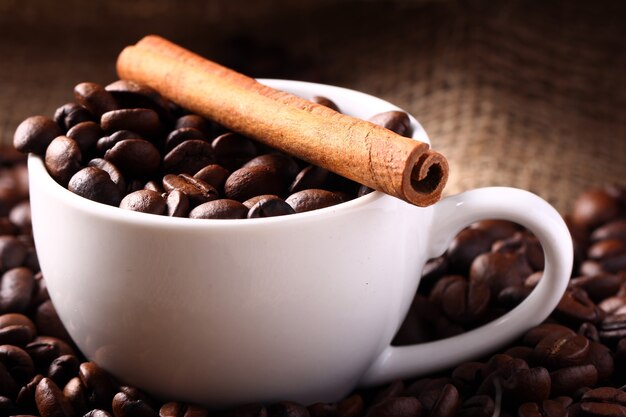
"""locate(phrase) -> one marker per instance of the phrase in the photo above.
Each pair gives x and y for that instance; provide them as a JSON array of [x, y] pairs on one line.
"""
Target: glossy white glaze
[[301, 307]]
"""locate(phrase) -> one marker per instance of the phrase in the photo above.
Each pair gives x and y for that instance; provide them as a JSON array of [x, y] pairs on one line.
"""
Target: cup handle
[[451, 215]]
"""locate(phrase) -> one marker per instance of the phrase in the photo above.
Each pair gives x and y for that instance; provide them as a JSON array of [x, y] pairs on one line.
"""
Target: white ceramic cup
[[300, 307]]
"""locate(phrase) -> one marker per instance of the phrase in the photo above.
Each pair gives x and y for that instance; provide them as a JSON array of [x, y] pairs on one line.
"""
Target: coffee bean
[[107, 142], [114, 173], [144, 201], [394, 120], [98, 385], [17, 362], [20, 217], [601, 358], [196, 190], [142, 121], [195, 122], [604, 401], [35, 134], [613, 305], [86, 136], [598, 287], [499, 270], [556, 351], [269, 206], [447, 404], [63, 159], [396, 407], [175, 409], [97, 413], [281, 163], [16, 329], [44, 349], [459, 300], [49, 323], [568, 380], [523, 244], [313, 199], [12, 252], [95, 184], [76, 395], [127, 406], [352, 406], [16, 288], [63, 368], [130, 95], [325, 101], [613, 327], [233, 150], [178, 136], [248, 182], [71, 114], [594, 208], [51, 402], [466, 246], [134, 157], [220, 209], [613, 230], [213, 174], [189, 157], [95, 98], [575, 308], [526, 385], [26, 396], [547, 408], [177, 204], [310, 177], [477, 406]]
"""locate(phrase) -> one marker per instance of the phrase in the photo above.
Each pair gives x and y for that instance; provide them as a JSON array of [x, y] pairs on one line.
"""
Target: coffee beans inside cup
[[125, 145]]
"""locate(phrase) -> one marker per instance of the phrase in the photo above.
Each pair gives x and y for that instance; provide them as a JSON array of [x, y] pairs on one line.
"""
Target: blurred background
[[529, 94]]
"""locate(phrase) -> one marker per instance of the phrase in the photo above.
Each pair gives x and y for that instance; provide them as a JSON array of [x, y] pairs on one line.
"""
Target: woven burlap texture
[[526, 94]]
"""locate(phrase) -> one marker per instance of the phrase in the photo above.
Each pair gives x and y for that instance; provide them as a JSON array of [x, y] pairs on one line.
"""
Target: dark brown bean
[[142, 121], [477, 406], [125, 405], [51, 402], [35, 134], [44, 349], [213, 174], [575, 308], [394, 120], [144, 201], [613, 327], [20, 217], [107, 142], [527, 385], [97, 413], [311, 177], [189, 157], [16, 329], [63, 159], [285, 165], [76, 395], [196, 190], [269, 206], [17, 362], [220, 209], [71, 114], [109, 168], [557, 351], [177, 204], [397, 407], [447, 404], [129, 95], [500, 270], [12, 252], [313, 199], [248, 182], [94, 98], [26, 396], [86, 135], [196, 122], [325, 101], [466, 246], [16, 288], [178, 136], [613, 230], [233, 150], [567, 380], [63, 368], [594, 208], [134, 157], [95, 184], [598, 287], [98, 384]]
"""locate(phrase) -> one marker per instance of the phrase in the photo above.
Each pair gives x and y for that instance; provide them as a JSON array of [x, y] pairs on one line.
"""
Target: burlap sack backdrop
[[521, 93]]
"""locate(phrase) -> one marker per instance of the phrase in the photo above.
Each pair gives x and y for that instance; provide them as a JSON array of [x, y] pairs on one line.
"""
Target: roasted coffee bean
[[196, 190], [153, 186], [309, 178], [285, 165], [613, 327], [248, 182], [98, 384], [26, 397], [177, 204], [126, 406], [394, 120], [322, 410], [196, 122], [397, 407], [20, 217], [512, 296], [270, 206], [590, 331], [477, 406], [601, 358], [51, 402], [173, 409], [313, 199], [97, 413], [178, 136], [143, 121], [594, 208], [499, 270], [144, 201], [610, 254], [519, 352], [524, 244], [12, 252], [16, 288], [86, 136], [556, 351], [76, 395], [604, 401], [35, 134], [134, 157], [287, 409], [71, 114], [568, 380], [599, 287], [352, 406], [107, 142], [219, 209], [44, 349], [129, 95], [467, 376], [613, 230], [114, 173], [613, 305], [189, 157], [17, 362], [16, 329], [63, 368], [233, 150], [466, 246], [447, 404], [547, 408], [460, 301], [214, 175], [95, 98], [575, 308], [49, 323], [95, 184], [526, 385], [63, 159], [325, 101]]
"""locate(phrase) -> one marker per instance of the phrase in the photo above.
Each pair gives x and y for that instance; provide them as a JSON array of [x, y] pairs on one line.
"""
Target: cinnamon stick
[[356, 149]]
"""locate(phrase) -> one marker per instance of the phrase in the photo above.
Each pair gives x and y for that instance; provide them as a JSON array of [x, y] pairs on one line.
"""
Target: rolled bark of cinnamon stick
[[356, 149]]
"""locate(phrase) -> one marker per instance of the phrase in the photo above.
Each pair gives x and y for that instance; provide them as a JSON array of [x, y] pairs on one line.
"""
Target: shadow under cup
[[225, 312]]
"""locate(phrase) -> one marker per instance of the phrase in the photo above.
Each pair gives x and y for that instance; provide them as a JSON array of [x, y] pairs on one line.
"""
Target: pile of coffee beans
[[125, 145]]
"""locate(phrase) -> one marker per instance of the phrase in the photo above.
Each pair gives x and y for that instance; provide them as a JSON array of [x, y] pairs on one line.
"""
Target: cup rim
[[38, 172]]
